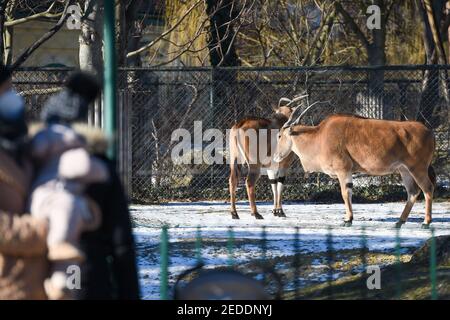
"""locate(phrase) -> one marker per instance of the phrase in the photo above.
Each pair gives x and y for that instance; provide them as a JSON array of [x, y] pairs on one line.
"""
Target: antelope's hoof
[[234, 215], [399, 224], [426, 226], [281, 213], [275, 212], [346, 224], [258, 216]]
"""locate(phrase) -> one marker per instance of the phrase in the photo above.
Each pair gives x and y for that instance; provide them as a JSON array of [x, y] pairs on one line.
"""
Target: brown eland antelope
[[345, 144], [246, 140]]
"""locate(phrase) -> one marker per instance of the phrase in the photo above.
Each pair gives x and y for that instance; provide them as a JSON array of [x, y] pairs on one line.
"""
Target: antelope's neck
[[306, 144]]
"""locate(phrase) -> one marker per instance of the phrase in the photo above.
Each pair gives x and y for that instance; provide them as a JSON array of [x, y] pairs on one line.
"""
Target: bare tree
[[129, 31], [8, 9], [432, 18], [294, 32], [91, 36], [374, 43]]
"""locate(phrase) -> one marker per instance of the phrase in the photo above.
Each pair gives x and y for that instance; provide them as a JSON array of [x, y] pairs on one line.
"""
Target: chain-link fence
[[155, 102], [36, 85]]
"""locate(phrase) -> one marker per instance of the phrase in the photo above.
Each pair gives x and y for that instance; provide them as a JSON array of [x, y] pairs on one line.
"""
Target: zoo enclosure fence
[[152, 103]]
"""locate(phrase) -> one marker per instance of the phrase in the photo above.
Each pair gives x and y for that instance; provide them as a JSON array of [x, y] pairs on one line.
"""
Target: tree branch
[[162, 35], [46, 14], [435, 31], [27, 53], [352, 24], [3, 5]]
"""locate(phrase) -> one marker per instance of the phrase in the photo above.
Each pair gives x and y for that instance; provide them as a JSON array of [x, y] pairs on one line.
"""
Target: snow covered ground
[[313, 220]]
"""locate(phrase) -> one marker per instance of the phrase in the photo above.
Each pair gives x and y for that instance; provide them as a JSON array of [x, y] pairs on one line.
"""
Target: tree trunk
[[91, 53], [130, 32], [130, 97], [222, 52], [430, 83], [8, 34], [377, 57], [3, 5], [377, 106], [375, 50]]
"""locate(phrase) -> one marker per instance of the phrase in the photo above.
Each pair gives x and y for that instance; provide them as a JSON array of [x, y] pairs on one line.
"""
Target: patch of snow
[[313, 220]]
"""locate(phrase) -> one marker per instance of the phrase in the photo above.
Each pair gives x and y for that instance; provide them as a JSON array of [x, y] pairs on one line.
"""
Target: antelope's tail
[[241, 148]]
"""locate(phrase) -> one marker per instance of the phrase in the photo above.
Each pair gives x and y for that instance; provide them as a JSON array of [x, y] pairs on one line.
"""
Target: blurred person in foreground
[[64, 169], [23, 264], [110, 270]]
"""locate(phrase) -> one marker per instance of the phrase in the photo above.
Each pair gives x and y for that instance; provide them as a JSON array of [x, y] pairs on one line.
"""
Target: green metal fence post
[[109, 92], [296, 262], [363, 263], [264, 251], [198, 245], [164, 247], [434, 293], [398, 264], [230, 246], [264, 243], [330, 258]]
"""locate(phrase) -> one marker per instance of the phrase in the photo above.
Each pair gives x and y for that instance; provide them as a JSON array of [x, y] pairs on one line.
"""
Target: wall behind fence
[[154, 102]]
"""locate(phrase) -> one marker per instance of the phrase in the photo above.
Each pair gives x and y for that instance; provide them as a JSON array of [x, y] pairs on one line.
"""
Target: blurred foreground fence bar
[[434, 294], [152, 103], [294, 288], [164, 256], [398, 253]]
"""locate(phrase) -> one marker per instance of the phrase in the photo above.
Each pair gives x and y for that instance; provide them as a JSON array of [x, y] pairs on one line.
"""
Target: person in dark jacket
[[110, 270]]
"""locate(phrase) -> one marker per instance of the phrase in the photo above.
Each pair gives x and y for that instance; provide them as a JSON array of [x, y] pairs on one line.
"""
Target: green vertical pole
[[264, 252], [109, 90], [398, 264], [297, 262], [164, 281], [330, 258], [364, 263], [198, 245], [434, 294], [230, 245]]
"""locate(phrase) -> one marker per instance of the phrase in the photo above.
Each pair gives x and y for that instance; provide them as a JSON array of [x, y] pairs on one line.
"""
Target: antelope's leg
[[424, 182], [280, 185], [272, 175], [345, 181], [413, 191], [252, 178], [233, 181]]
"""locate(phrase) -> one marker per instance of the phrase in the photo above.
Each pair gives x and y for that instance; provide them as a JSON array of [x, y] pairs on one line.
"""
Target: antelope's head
[[284, 142], [286, 106]]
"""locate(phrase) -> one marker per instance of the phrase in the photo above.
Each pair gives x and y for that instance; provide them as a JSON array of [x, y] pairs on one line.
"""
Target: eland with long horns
[[345, 144]]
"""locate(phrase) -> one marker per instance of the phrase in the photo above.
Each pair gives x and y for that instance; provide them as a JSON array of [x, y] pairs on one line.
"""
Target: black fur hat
[[5, 73], [72, 103], [84, 84]]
